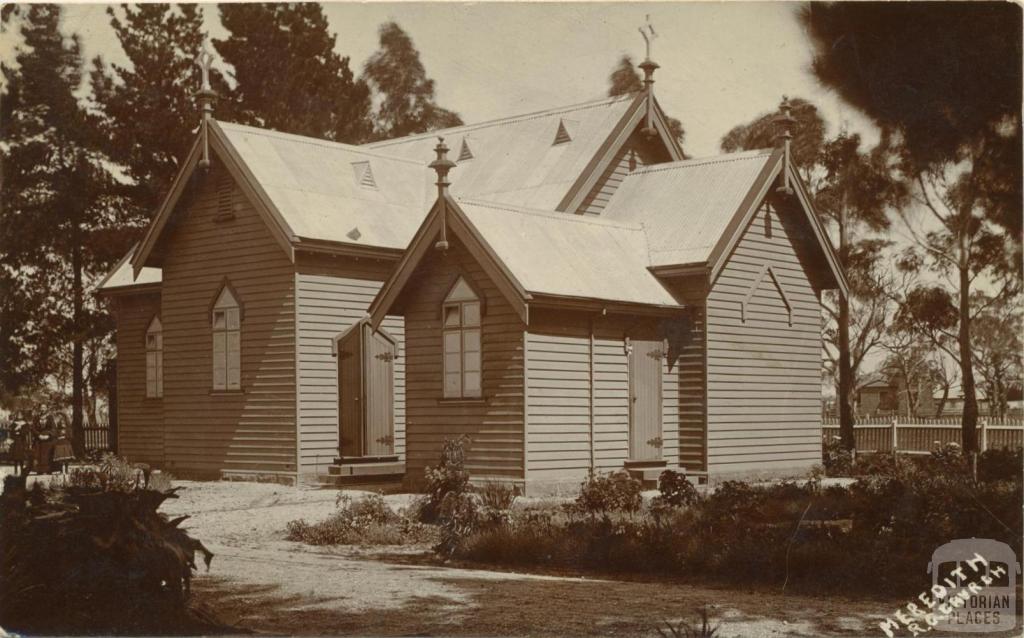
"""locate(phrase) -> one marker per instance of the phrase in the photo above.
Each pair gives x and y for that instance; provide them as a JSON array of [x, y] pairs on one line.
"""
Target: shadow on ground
[[537, 607]]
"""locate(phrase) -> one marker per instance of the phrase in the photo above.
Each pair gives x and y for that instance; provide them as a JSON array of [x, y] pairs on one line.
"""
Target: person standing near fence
[[63, 452]]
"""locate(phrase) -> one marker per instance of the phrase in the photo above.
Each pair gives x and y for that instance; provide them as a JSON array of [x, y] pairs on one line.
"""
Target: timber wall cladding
[[140, 419], [635, 154], [494, 424], [249, 431], [332, 293], [764, 375], [561, 400]]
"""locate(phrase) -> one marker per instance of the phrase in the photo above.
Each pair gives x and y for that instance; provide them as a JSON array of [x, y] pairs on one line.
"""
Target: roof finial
[[442, 165], [649, 66], [784, 123], [205, 96]]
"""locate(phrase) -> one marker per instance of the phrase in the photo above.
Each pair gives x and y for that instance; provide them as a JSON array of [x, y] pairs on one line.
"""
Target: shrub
[[449, 477], [837, 461], [803, 537], [1004, 464], [496, 496], [674, 490], [95, 559], [161, 481], [459, 517], [683, 629], [608, 493], [112, 473], [366, 521]]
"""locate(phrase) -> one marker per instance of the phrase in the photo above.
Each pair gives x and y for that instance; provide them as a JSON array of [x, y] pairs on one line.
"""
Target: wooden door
[[379, 375], [645, 364], [350, 393]]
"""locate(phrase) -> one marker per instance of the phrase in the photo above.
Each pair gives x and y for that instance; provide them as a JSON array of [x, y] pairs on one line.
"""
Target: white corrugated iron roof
[[685, 206], [121, 275], [569, 255], [322, 190], [515, 160]]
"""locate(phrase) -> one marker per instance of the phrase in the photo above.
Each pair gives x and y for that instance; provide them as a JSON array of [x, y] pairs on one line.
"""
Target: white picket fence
[[922, 435]]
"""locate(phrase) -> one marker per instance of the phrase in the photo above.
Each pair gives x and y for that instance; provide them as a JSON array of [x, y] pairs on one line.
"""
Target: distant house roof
[[686, 205], [516, 160], [570, 255]]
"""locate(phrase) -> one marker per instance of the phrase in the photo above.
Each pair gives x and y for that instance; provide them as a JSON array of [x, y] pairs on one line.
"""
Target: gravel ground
[[261, 582]]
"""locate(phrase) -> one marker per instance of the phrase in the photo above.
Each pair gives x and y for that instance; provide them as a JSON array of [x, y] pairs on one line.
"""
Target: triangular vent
[[364, 174], [562, 136], [464, 152]]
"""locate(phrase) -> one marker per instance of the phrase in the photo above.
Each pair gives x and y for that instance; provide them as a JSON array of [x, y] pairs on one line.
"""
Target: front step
[[364, 473], [368, 469], [648, 474]]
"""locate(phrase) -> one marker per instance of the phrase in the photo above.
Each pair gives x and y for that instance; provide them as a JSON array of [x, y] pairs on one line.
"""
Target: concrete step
[[388, 483], [387, 468]]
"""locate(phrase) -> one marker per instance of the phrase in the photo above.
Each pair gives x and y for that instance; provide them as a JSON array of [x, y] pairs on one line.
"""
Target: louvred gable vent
[[225, 188], [464, 152], [562, 136], [364, 174]]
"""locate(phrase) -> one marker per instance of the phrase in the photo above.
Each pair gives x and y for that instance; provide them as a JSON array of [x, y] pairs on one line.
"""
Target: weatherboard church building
[[563, 287]]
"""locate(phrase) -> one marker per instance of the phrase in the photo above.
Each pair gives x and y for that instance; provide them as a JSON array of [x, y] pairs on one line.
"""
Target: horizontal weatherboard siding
[[764, 368], [493, 424], [251, 431], [332, 293], [140, 419]]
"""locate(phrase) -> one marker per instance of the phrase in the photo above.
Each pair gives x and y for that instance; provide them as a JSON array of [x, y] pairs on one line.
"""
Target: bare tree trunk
[[77, 431], [969, 419], [942, 401], [845, 390]]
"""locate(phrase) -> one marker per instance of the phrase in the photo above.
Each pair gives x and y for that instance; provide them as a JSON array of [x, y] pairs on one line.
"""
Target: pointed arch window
[[226, 323], [155, 359], [461, 327]]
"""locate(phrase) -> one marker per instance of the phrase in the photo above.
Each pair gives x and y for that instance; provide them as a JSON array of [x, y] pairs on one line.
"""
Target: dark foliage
[[85, 560], [407, 101], [148, 106], [675, 490], [448, 477], [944, 77], [794, 536], [941, 72], [603, 494], [60, 212], [289, 77]]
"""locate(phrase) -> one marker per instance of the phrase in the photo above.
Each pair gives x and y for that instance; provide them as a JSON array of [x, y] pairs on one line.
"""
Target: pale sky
[[722, 64]]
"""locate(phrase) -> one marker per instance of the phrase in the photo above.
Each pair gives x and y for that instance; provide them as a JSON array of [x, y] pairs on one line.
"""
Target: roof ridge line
[[316, 141], [509, 118], [714, 159], [537, 212]]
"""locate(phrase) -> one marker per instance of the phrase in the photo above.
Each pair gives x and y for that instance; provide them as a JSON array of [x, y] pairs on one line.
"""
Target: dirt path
[[261, 582]]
